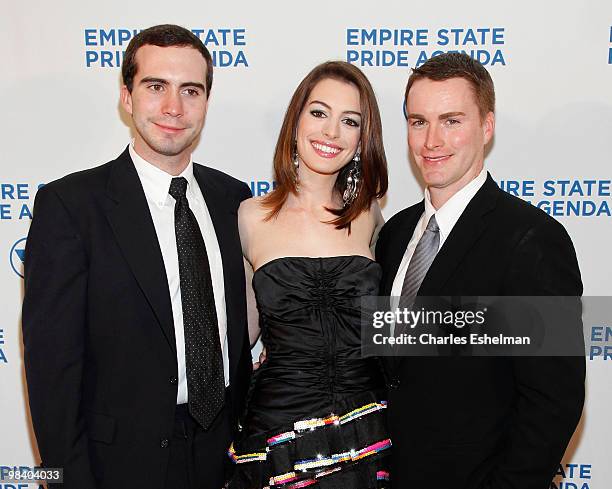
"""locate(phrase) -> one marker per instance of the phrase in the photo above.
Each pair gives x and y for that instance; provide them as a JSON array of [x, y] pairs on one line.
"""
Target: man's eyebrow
[[193, 84], [328, 107], [152, 79], [161, 81], [448, 115]]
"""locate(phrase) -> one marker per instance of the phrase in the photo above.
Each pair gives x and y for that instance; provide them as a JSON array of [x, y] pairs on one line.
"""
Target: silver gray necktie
[[421, 260]]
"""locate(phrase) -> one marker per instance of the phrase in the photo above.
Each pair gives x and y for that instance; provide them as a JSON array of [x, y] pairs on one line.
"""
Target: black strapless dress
[[316, 409]]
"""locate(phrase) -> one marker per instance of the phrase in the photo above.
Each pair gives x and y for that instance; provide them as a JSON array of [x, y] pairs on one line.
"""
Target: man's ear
[[126, 99], [488, 127]]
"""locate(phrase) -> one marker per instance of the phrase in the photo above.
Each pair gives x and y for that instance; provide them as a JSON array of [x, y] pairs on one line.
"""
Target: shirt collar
[[156, 182], [450, 212]]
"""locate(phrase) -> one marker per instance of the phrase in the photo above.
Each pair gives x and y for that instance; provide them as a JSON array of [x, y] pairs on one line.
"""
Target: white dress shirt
[[156, 184], [446, 217]]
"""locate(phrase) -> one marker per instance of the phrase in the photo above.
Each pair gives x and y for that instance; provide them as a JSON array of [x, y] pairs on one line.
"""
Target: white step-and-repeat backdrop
[[552, 67]]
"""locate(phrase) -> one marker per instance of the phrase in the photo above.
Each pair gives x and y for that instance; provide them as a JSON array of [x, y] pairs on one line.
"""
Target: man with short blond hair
[[473, 422]]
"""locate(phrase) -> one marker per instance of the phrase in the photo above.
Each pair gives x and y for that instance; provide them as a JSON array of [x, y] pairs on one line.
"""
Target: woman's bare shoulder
[[371, 218], [252, 210]]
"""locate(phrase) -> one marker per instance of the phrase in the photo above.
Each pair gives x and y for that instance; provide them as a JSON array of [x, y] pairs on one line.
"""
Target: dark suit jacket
[[484, 422], [98, 331]]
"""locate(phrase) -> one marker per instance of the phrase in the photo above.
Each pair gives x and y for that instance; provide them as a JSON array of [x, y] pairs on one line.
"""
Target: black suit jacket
[[98, 331], [484, 422]]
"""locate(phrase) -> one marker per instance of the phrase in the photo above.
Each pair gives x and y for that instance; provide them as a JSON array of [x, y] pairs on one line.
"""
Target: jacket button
[[173, 380], [164, 443]]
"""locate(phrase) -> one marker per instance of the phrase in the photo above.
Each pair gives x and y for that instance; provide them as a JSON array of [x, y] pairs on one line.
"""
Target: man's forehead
[[172, 59], [441, 95]]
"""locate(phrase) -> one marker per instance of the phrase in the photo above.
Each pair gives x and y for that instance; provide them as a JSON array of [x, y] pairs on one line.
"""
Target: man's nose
[[173, 104], [433, 139]]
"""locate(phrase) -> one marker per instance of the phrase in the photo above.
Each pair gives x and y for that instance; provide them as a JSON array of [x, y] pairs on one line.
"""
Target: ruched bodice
[[315, 413], [310, 319]]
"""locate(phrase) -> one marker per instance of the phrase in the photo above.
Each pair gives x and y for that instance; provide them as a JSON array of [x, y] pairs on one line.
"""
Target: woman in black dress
[[316, 410]]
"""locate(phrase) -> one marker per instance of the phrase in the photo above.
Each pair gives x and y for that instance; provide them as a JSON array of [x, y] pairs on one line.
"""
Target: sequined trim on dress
[[320, 461]]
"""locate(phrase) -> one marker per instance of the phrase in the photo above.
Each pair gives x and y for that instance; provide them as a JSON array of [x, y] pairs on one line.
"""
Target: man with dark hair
[[134, 317], [473, 422], [164, 35]]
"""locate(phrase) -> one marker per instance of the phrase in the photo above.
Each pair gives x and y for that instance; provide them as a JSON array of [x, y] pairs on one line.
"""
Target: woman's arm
[[252, 313], [246, 219], [377, 223]]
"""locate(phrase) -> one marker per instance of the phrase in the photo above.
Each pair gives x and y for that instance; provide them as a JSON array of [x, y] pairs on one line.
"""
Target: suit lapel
[[397, 246], [131, 222], [466, 231], [223, 214], [391, 262]]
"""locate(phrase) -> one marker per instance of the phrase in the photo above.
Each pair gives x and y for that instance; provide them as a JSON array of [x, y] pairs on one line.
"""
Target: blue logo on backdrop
[[412, 47], [21, 485], [17, 256], [104, 48], [601, 343], [261, 187], [14, 200], [7, 470], [2, 355], [565, 198], [572, 476]]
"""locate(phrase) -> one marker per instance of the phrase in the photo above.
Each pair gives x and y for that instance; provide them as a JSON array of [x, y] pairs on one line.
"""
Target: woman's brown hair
[[373, 181]]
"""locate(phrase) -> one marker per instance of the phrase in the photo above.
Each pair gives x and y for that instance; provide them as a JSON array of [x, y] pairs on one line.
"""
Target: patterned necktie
[[421, 260], [203, 358]]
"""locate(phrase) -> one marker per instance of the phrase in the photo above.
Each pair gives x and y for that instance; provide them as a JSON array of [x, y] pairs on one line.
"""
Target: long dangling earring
[[296, 167], [352, 181]]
